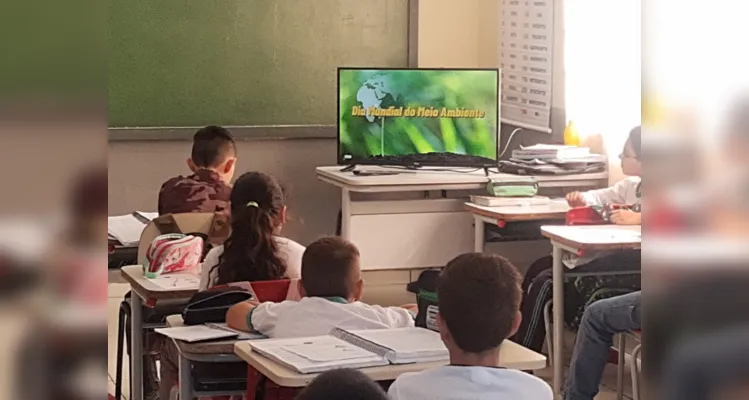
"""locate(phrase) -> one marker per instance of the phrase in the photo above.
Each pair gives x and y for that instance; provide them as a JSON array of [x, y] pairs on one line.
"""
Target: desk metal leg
[[185, 379], [345, 214], [558, 319], [478, 234], [136, 350]]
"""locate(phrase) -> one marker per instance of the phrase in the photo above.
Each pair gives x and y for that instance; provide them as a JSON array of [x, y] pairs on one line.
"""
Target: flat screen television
[[418, 117]]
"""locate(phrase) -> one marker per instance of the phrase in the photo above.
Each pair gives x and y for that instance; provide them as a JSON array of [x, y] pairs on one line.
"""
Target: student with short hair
[[342, 384], [537, 284], [212, 162], [255, 249], [625, 192], [479, 307], [331, 287]]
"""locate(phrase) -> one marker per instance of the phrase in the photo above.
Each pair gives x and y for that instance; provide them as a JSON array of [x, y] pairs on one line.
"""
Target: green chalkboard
[[243, 62]]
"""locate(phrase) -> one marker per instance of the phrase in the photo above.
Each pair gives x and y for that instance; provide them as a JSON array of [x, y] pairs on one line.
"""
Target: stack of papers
[[126, 229], [493, 201], [183, 280], [550, 152]]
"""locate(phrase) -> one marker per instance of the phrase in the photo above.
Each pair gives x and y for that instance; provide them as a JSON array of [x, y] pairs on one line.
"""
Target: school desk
[[576, 239], [556, 209], [146, 292], [221, 351], [416, 219], [511, 356]]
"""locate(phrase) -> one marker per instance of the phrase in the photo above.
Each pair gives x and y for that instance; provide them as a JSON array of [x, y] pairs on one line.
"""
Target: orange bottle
[[571, 136]]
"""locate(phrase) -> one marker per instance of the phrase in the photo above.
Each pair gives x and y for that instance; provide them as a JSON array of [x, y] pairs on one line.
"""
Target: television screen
[[418, 116]]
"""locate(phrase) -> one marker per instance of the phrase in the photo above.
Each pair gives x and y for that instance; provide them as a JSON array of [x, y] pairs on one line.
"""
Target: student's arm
[[413, 308], [239, 315], [626, 217], [611, 195]]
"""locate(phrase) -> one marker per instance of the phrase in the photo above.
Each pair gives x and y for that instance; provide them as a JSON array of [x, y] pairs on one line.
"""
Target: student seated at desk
[[479, 307], [212, 164], [537, 282], [331, 287], [254, 250], [624, 192]]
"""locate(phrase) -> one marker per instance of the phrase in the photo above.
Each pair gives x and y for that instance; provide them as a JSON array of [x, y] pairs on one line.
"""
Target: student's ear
[[444, 332], [229, 165], [191, 165], [359, 290], [300, 289], [516, 323]]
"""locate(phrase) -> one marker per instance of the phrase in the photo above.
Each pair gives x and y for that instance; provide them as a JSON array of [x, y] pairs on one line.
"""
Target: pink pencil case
[[172, 252]]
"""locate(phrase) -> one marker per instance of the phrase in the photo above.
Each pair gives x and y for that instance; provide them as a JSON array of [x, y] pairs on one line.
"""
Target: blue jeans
[[601, 321]]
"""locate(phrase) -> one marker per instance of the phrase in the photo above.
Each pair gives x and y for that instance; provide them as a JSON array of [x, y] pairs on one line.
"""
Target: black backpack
[[211, 305], [428, 309]]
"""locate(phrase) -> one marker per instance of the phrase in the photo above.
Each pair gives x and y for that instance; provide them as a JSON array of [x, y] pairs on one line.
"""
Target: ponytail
[[251, 253]]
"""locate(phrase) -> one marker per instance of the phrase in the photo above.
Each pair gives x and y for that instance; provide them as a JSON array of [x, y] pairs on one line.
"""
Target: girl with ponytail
[[254, 250]]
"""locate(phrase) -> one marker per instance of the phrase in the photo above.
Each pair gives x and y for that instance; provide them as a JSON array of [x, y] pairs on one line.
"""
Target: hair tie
[[253, 204]]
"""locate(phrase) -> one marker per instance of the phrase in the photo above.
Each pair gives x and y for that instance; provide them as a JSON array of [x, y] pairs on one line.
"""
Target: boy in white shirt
[[479, 299], [537, 284], [624, 192], [331, 287]]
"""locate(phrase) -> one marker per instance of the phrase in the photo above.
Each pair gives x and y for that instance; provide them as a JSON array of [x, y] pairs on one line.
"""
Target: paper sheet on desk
[[327, 350], [181, 281]]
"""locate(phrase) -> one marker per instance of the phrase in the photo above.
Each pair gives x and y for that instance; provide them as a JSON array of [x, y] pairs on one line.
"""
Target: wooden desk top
[[141, 285], [435, 179], [211, 347], [555, 209], [595, 237], [512, 356]]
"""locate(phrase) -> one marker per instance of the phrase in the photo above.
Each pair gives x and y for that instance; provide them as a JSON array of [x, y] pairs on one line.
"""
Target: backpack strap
[[166, 224]]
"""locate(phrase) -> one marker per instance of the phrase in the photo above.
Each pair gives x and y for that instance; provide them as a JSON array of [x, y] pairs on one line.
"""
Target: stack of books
[[550, 152]]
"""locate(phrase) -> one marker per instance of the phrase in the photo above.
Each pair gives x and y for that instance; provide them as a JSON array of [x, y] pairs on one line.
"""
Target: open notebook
[[126, 229], [354, 349], [202, 333]]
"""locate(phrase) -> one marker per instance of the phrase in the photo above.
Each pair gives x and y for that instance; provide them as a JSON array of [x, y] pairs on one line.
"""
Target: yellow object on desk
[[571, 135]]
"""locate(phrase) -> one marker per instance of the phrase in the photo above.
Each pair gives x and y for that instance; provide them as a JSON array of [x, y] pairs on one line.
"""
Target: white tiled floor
[[117, 290]]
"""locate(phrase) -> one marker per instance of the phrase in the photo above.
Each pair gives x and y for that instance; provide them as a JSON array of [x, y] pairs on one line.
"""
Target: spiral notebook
[[398, 346], [354, 349]]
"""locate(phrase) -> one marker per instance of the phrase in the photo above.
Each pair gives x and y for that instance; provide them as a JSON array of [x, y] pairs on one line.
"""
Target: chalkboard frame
[[268, 132]]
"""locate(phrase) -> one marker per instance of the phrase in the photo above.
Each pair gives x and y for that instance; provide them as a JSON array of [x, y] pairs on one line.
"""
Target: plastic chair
[[635, 365], [635, 371], [275, 291]]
